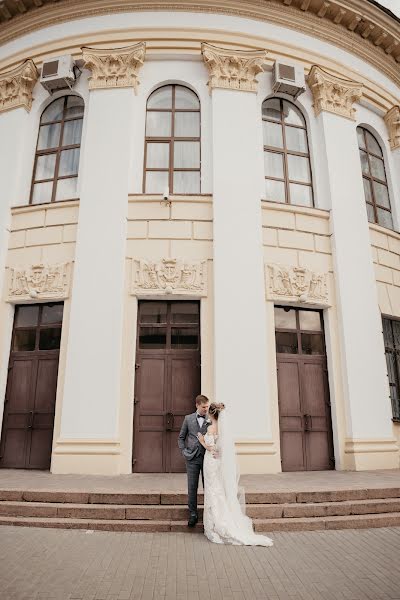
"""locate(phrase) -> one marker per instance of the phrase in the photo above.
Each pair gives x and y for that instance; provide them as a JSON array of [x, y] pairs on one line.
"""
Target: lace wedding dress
[[224, 520]]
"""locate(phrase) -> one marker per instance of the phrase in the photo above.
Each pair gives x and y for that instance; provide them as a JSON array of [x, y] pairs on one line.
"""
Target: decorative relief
[[16, 86], [39, 282], [117, 67], [169, 276], [296, 284], [333, 94], [392, 120], [233, 69]]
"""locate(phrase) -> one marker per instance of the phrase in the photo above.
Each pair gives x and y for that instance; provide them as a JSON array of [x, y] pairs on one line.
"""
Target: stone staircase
[[161, 512]]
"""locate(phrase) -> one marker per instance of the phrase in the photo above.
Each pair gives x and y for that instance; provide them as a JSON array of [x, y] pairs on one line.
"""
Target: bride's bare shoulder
[[211, 429]]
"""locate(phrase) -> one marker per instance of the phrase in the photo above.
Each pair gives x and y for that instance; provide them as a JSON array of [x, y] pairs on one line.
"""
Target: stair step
[[336, 522]]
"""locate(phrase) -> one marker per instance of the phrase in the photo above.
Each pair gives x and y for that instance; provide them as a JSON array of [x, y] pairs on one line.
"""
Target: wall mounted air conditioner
[[58, 73], [288, 79]]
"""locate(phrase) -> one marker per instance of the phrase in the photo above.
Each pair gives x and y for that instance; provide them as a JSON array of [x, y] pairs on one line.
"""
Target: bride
[[224, 521]]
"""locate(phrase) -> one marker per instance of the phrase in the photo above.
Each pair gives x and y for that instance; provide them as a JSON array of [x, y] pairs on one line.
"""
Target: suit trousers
[[193, 468]]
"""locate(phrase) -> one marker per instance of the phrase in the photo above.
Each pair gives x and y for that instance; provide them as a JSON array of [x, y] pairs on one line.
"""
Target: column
[[369, 441], [240, 349], [89, 439], [15, 103]]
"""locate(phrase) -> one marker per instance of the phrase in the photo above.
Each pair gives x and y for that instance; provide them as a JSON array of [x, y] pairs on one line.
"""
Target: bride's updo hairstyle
[[215, 409]]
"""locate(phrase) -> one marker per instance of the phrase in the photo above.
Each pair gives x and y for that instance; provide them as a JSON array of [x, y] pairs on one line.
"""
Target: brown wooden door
[[167, 382], [27, 432], [303, 391]]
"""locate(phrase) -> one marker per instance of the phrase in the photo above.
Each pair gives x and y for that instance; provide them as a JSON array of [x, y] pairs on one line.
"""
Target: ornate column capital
[[392, 120], [333, 94], [233, 69], [114, 67], [16, 86]]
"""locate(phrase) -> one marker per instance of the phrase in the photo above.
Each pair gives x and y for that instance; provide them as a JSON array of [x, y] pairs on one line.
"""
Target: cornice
[[354, 25]]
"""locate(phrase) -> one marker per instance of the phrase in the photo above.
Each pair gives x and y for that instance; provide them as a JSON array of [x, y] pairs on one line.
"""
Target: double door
[[167, 382], [27, 432]]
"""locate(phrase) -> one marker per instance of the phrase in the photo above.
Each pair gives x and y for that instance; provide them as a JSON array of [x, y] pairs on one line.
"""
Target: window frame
[[170, 140], [56, 150], [394, 350], [284, 152]]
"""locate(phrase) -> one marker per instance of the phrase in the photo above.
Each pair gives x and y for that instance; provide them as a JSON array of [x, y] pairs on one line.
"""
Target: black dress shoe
[[193, 518]]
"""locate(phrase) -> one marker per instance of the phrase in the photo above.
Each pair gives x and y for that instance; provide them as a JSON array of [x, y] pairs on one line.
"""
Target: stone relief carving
[[40, 282], [333, 94], [392, 120], [16, 86], [233, 69], [296, 284], [117, 67], [169, 276]]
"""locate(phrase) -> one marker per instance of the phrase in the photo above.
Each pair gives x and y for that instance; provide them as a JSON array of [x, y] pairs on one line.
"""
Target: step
[[319, 523]]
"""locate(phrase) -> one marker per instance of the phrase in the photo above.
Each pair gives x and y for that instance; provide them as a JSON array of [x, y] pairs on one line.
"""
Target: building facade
[[170, 225]]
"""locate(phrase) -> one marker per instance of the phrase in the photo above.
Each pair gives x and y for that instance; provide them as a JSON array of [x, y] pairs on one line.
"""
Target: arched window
[[55, 172], [286, 156], [374, 179], [172, 145]]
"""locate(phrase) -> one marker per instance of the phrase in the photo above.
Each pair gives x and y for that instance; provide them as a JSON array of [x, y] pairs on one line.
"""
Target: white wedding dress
[[224, 521]]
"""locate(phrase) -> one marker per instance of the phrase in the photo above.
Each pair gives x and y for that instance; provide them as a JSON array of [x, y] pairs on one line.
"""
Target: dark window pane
[[24, 340], [312, 344], [286, 343], [153, 312], [75, 107], [185, 313], [285, 318], [53, 112], [27, 316], [187, 338], [387, 333], [52, 313], [360, 136], [271, 109], [50, 338], [310, 320], [152, 337], [396, 334]]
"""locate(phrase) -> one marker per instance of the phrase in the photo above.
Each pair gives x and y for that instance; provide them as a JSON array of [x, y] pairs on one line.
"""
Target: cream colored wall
[[385, 248], [300, 236]]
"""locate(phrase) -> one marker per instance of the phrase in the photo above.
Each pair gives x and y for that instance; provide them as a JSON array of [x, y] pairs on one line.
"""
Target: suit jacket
[[187, 439]]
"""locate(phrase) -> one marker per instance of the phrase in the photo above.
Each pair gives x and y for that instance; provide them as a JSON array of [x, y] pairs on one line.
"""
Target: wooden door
[[167, 382], [27, 432], [303, 391]]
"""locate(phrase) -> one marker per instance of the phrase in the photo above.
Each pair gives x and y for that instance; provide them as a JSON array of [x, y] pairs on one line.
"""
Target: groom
[[193, 452]]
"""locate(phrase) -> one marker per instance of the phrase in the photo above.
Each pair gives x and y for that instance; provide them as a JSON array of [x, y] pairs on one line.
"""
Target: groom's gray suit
[[193, 453]]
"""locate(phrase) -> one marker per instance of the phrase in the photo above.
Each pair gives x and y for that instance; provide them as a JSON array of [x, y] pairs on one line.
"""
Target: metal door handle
[[170, 421]]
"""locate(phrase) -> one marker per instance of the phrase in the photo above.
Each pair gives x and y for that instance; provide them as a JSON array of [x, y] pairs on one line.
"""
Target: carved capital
[[333, 94], [296, 284], [117, 67], [39, 282], [392, 120], [233, 69], [169, 276], [16, 86]]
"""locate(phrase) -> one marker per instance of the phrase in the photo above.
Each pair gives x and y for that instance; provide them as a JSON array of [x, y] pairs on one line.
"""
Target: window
[[391, 336], [298, 331], [286, 156], [55, 173], [172, 145], [374, 179]]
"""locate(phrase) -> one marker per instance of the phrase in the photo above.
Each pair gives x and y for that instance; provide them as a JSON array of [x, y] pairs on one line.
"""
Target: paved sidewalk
[[309, 481], [39, 564]]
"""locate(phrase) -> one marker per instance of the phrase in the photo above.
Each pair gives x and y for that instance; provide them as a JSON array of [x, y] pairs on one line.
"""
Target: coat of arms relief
[[40, 282], [296, 284], [168, 276]]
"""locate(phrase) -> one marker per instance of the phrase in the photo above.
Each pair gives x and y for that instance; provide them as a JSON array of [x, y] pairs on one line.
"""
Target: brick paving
[[42, 564]]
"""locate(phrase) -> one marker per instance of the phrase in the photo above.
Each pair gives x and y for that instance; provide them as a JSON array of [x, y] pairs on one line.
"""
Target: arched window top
[[55, 173], [287, 166], [172, 144], [374, 179]]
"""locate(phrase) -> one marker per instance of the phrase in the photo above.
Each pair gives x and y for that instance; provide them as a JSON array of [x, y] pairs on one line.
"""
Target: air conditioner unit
[[288, 79], [58, 73]]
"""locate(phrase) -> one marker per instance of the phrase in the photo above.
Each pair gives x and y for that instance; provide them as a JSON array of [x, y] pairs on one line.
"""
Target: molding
[[367, 446], [87, 447], [392, 120], [16, 86], [114, 67], [169, 276], [233, 69], [333, 94], [39, 282], [255, 447], [296, 284], [319, 213]]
